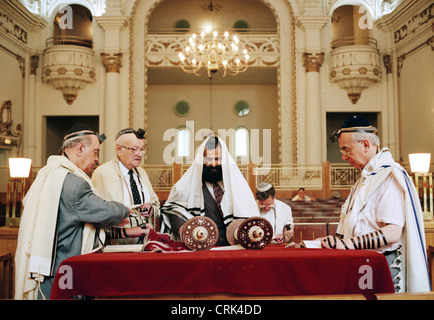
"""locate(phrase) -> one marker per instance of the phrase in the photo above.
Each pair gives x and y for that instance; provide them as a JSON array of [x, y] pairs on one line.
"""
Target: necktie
[[134, 189], [218, 194]]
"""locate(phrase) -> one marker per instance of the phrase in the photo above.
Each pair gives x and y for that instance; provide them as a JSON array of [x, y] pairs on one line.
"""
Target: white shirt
[[143, 191], [386, 206], [279, 216]]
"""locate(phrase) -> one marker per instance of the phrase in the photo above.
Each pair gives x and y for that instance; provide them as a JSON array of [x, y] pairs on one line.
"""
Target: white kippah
[[264, 186]]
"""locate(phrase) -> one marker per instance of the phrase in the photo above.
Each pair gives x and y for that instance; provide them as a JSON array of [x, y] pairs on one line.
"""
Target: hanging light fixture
[[214, 52]]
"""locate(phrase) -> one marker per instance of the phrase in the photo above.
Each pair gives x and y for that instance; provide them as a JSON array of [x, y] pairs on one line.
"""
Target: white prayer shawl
[[186, 197], [110, 183], [414, 264], [279, 217], [37, 234]]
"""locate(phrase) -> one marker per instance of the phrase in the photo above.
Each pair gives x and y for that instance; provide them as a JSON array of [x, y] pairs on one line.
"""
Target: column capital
[[312, 22], [112, 62], [313, 61], [112, 22]]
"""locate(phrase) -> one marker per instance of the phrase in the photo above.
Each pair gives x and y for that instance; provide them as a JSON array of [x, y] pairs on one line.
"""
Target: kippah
[[264, 186], [354, 123], [140, 133], [82, 130], [76, 128]]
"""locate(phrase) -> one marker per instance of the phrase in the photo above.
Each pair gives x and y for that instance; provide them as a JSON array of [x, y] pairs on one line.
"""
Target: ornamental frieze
[[413, 24], [8, 25]]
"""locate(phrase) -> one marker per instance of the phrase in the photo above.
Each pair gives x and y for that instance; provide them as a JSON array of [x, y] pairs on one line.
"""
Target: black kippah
[[356, 121], [80, 130], [140, 133], [76, 128]]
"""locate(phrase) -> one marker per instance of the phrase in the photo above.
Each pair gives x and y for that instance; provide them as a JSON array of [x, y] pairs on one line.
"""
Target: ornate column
[[111, 58], [313, 58], [30, 114]]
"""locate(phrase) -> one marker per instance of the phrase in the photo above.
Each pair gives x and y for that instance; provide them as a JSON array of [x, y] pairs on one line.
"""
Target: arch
[[354, 3], [284, 13], [95, 7]]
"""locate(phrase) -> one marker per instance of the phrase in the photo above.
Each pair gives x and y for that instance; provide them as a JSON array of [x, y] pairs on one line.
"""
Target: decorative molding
[[21, 60], [402, 57], [111, 62], [313, 61], [387, 63], [34, 62], [69, 69], [8, 25], [414, 24], [354, 68], [162, 50]]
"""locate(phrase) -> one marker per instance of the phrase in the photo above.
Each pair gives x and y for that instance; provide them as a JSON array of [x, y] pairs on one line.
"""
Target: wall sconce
[[419, 165], [19, 171]]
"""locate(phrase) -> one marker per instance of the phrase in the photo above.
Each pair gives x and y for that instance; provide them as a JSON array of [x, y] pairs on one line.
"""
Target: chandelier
[[213, 52]]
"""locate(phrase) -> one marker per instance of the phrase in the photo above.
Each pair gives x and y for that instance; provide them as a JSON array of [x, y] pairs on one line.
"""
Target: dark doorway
[[334, 123], [57, 126]]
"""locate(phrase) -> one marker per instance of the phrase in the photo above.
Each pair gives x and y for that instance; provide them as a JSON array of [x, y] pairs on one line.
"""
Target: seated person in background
[[123, 180], [213, 187], [301, 196], [276, 212]]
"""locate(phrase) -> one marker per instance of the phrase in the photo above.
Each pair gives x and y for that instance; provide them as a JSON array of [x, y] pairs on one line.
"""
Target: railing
[[353, 41], [291, 176], [343, 175], [68, 40], [326, 176]]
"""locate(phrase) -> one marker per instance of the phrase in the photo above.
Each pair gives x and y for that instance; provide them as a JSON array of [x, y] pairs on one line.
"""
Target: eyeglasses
[[135, 149], [348, 151]]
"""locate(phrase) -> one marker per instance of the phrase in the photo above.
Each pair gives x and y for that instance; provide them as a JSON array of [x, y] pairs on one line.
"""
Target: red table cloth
[[273, 271]]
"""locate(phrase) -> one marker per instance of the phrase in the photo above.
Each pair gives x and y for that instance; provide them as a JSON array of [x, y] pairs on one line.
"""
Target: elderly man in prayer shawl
[[213, 187], [278, 213], [62, 214], [122, 179], [383, 211]]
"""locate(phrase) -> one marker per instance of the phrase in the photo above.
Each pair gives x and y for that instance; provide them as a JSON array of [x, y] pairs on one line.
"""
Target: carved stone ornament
[[312, 62], [8, 136], [69, 69], [111, 62], [354, 68]]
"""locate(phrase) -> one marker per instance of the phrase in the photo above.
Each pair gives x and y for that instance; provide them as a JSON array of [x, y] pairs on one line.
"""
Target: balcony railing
[[326, 176], [68, 40], [354, 41]]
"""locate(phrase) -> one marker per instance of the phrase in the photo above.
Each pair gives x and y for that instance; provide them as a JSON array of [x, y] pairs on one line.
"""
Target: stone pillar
[[111, 58], [313, 58], [30, 114], [313, 129]]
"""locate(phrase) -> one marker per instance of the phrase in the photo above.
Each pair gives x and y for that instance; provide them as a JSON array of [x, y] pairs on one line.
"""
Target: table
[[273, 271]]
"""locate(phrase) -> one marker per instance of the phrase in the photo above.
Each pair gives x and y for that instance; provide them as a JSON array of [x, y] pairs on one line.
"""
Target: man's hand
[[137, 231], [146, 210], [278, 239]]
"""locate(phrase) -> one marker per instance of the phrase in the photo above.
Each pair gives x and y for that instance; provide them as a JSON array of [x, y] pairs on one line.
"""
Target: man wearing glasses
[[276, 212], [124, 180], [382, 211]]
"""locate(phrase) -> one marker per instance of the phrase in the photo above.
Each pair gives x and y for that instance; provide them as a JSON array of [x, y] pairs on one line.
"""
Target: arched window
[[184, 146], [242, 150]]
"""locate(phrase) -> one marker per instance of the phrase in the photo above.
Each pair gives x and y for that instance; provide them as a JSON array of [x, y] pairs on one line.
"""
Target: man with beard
[[212, 187]]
